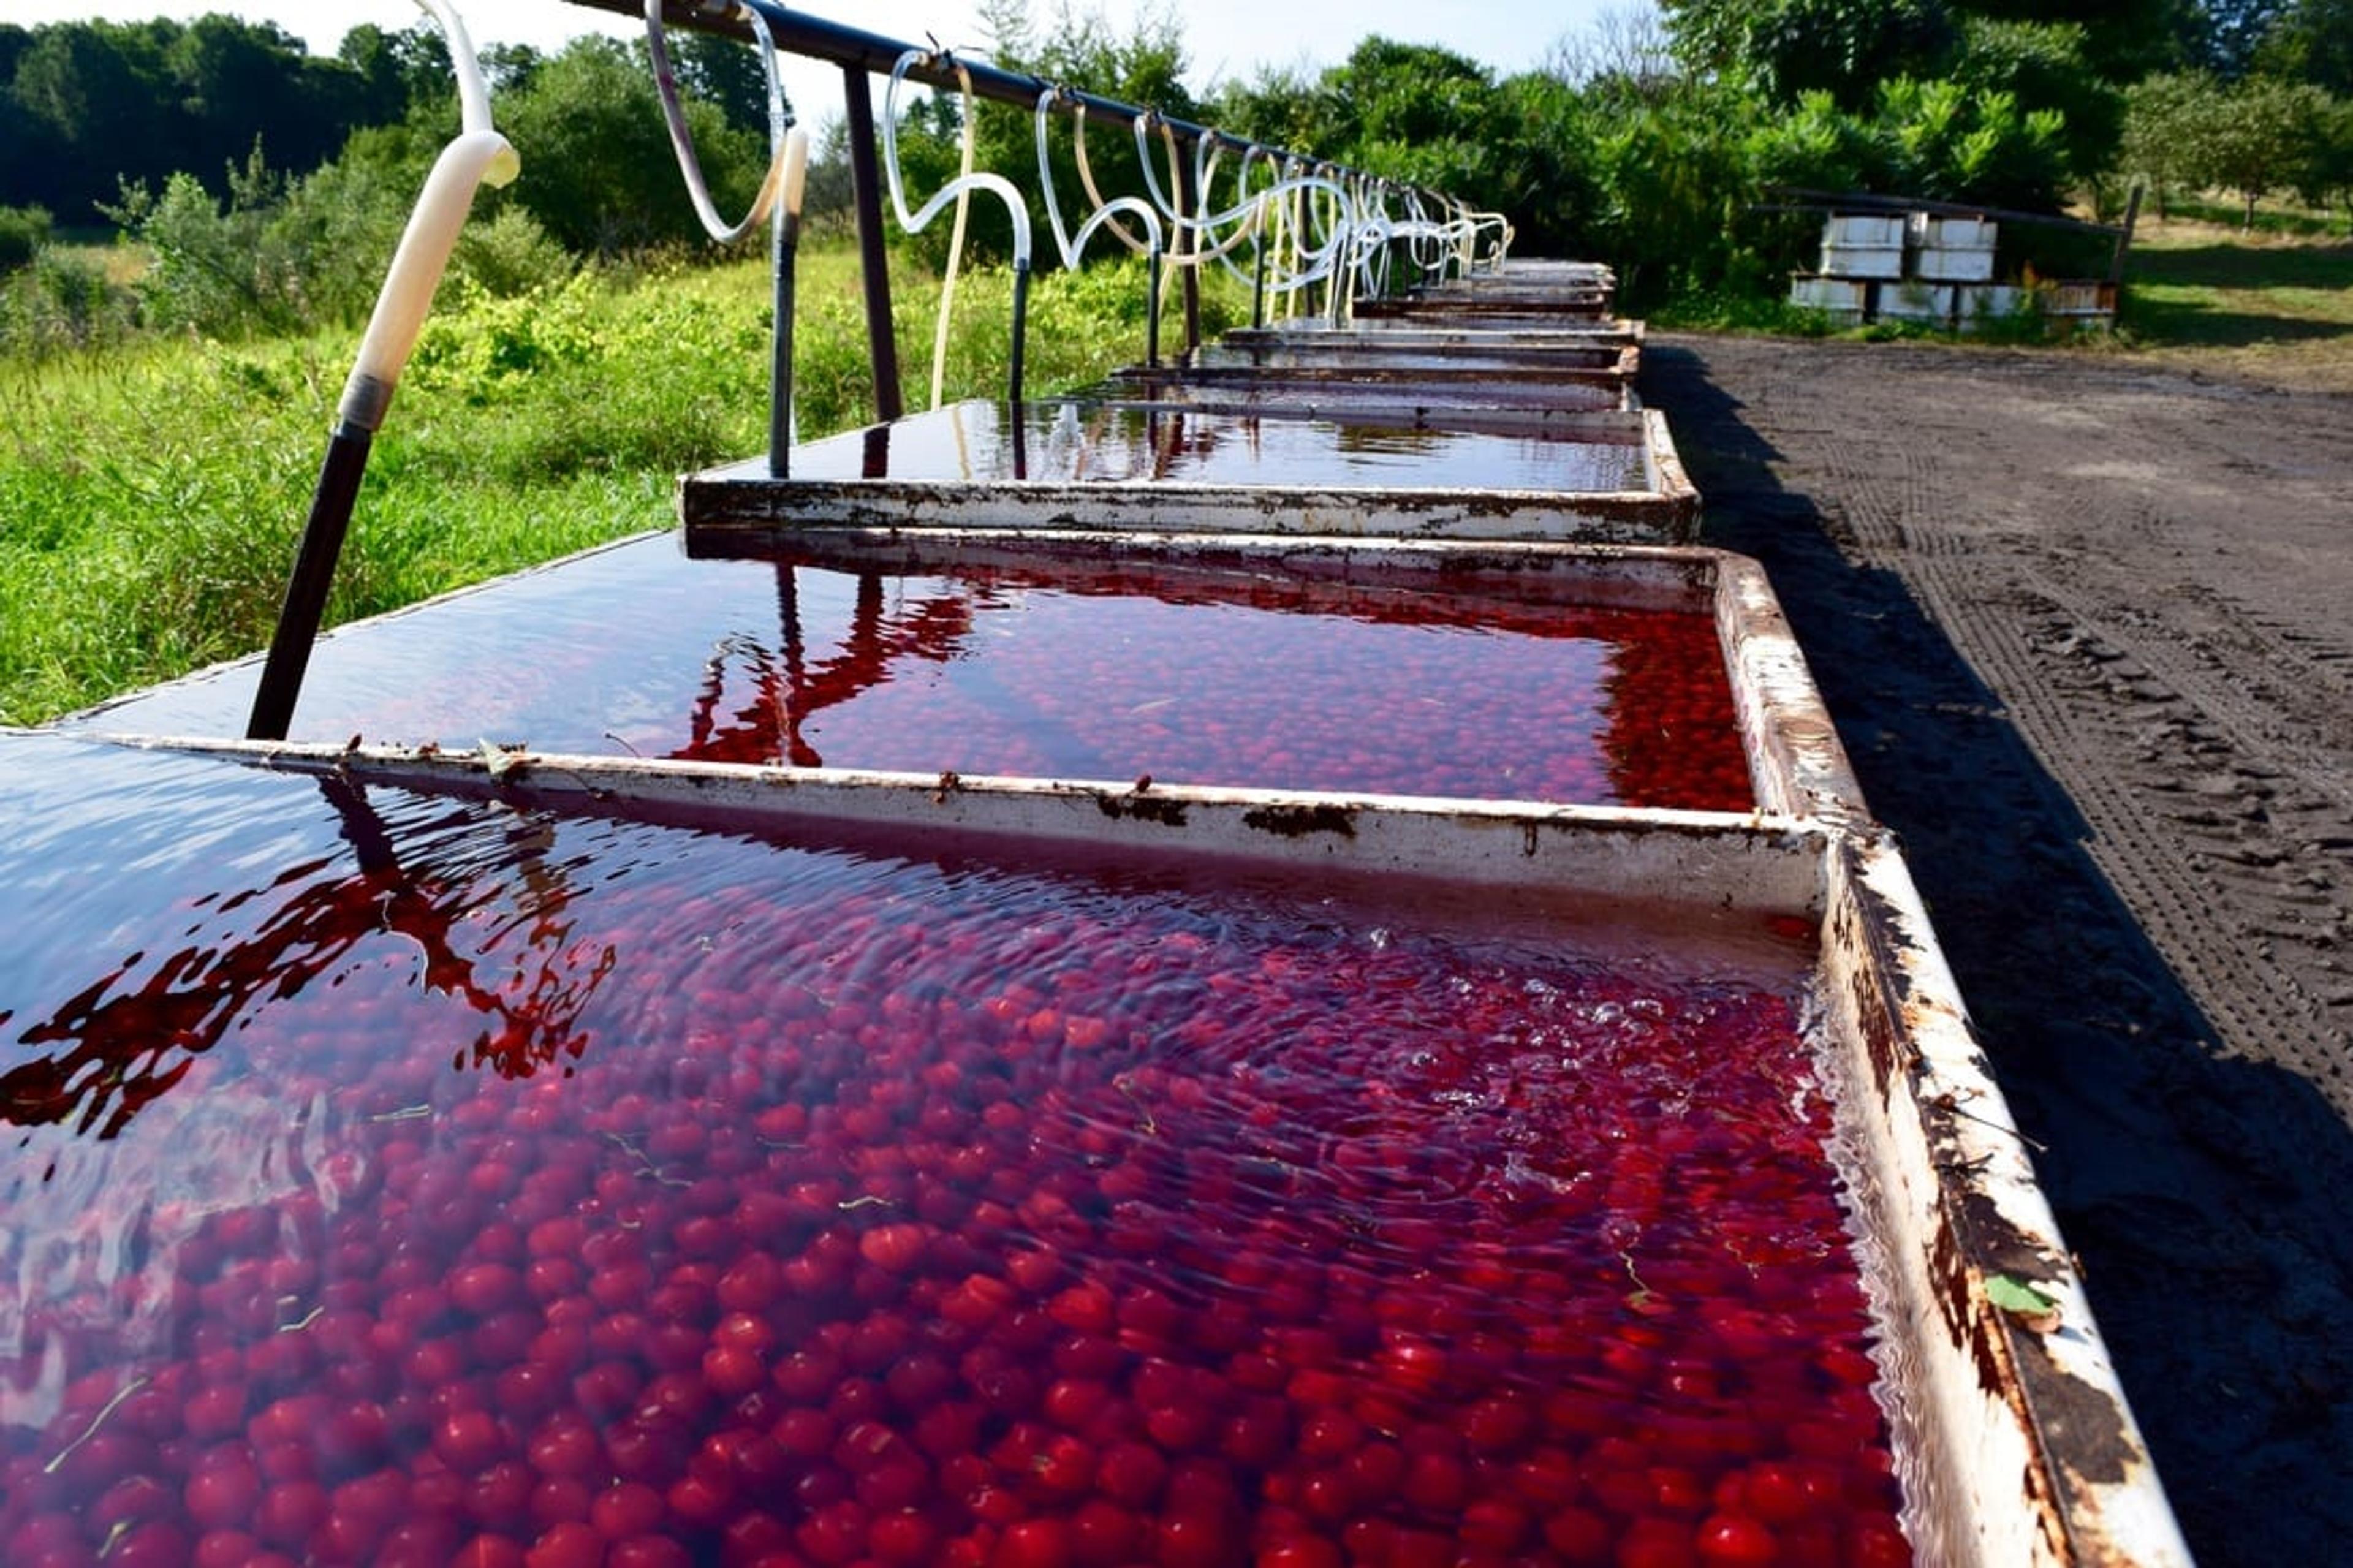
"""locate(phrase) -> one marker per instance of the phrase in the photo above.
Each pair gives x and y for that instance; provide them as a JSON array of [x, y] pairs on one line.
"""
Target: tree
[[725, 73], [97, 92], [393, 70], [2046, 66], [1787, 49], [2311, 41], [237, 81], [2230, 32], [2266, 139], [2169, 120], [2188, 132], [598, 172]]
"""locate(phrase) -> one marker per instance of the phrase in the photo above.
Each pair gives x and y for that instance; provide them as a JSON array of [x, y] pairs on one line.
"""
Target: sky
[[1224, 40]]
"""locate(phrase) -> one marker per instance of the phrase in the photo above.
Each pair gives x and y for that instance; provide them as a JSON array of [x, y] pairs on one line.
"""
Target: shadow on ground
[[2214, 1253]]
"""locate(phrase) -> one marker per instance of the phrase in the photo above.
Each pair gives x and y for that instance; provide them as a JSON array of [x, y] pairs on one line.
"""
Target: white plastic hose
[[913, 221], [480, 155], [681, 139], [1067, 247]]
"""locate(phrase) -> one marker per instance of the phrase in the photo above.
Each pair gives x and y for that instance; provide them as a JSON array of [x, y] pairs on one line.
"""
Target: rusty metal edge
[[1407, 408], [1418, 340], [2043, 1463], [737, 497], [1745, 861], [1796, 760]]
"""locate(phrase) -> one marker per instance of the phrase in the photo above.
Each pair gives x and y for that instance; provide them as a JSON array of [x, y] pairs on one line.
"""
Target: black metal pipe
[[873, 258], [306, 590], [1152, 305], [1020, 336], [782, 264], [857, 50], [1258, 281]]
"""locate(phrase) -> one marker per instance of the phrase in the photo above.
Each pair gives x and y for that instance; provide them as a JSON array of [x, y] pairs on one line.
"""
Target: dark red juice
[[1399, 682], [402, 1179], [1246, 680]]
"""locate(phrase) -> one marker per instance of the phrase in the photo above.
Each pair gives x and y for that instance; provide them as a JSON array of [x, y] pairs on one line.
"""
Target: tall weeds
[[151, 489]]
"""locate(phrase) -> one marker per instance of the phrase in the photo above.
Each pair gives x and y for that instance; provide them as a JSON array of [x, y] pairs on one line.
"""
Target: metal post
[[1020, 336], [306, 590], [786, 245], [1258, 282], [1188, 203], [1151, 307], [2123, 238], [866, 192]]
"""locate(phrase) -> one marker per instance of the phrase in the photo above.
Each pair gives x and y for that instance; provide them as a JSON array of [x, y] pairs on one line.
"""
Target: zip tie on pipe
[[478, 156], [681, 139]]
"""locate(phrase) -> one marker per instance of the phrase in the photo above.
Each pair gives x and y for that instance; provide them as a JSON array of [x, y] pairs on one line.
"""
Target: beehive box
[[1929, 232], [1949, 266], [1866, 231], [1917, 302]]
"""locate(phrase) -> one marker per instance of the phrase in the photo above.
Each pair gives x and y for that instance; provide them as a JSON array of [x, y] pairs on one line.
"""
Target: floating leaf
[[2022, 1300]]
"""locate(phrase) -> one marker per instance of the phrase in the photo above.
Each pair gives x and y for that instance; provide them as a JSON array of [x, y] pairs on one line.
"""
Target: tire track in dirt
[[2092, 673], [2169, 864]]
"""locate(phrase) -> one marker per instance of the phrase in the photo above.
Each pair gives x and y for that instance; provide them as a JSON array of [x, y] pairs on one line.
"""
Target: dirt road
[[2086, 627]]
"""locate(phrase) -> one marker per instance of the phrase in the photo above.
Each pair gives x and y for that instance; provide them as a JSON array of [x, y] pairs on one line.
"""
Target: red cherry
[[482, 1288], [1194, 1541], [468, 1440], [903, 1536], [1878, 1543], [490, 1552], [1579, 1536], [570, 1544], [1736, 1541], [1657, 1543], [894, 1248], [1033, 1544], [222, 1489]]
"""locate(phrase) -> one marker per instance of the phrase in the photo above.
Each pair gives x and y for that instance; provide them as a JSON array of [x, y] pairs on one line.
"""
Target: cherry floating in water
[[1352, 1233]]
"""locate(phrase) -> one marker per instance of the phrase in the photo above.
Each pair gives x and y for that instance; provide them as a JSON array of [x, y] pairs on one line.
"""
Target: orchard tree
[[2266, 138], [2168, 121], [2311, 41]]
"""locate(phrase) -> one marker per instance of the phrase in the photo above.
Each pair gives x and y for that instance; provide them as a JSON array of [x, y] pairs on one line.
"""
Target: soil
[[2086, 627]]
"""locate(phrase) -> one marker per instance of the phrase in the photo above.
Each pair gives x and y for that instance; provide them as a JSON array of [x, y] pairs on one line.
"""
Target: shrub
[[23, 232]]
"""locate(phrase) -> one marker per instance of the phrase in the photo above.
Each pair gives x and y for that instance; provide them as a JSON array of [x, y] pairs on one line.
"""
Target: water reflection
[[122, 1041]]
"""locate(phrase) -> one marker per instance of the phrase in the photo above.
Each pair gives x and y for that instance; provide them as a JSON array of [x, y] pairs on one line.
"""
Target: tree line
[[268, 183]]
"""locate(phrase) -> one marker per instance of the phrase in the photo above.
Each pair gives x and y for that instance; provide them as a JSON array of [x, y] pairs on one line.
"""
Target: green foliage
[[1787, 48], [510, 254], [277, 257], [597, 169], [2311, 41], [2267, 139], [2046, 66], [2188, 132], [23, 232], [86, 106], [65, 302]]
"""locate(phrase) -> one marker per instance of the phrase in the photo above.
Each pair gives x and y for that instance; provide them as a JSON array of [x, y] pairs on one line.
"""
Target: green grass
[[2270, 306], [150, 495]]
